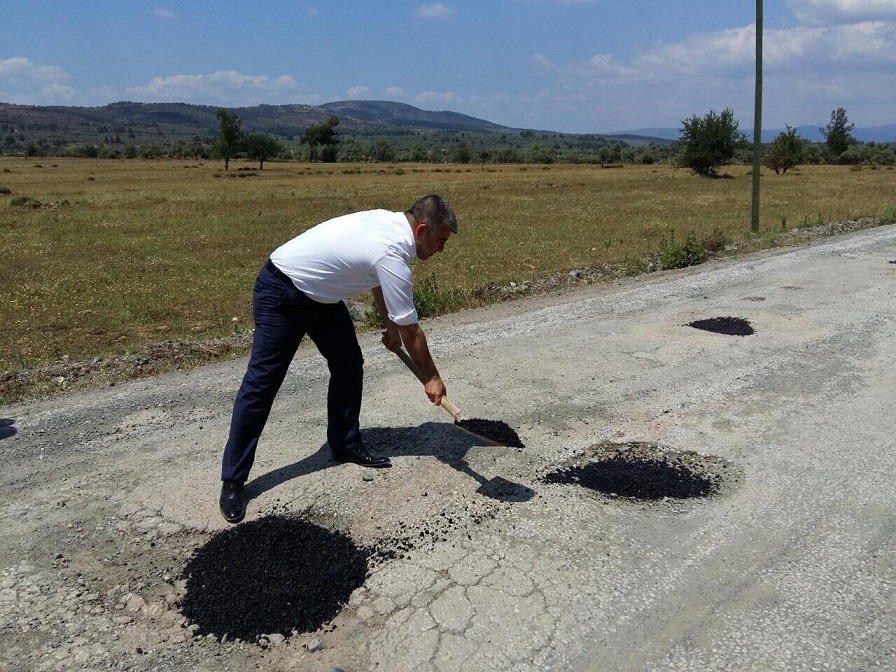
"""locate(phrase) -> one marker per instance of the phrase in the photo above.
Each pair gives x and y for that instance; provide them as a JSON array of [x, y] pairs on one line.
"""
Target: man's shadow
[[443, 441]]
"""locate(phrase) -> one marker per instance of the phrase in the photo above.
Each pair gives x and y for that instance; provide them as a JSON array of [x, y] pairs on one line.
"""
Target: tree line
[[712, 141], [705, 145]]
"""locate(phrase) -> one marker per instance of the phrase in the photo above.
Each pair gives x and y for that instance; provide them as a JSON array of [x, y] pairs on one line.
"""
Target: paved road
[[792, 566]]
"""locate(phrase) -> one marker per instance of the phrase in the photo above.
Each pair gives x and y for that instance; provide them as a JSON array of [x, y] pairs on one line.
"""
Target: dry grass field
[[101, 257]]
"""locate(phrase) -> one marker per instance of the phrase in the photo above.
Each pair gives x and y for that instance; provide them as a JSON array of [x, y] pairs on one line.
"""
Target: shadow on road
[[6, 428], [443, 441]]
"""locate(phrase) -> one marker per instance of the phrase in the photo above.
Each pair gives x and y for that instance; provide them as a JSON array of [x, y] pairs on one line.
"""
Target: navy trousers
[[283, 315]]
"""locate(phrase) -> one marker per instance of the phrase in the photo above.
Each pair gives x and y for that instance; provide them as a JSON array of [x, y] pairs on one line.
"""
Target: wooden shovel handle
[[406, 358]]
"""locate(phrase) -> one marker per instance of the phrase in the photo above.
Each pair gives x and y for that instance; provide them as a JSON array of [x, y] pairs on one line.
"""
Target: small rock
[[275, 639], [313, 645], [134, 602]]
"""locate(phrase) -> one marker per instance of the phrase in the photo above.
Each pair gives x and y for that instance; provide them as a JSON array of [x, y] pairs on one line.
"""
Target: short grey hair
[[435, 211]]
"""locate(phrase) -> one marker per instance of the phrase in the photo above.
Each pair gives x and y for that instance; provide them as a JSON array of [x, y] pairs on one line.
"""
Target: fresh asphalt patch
[[647, 472], [729, 326], [272, 575]]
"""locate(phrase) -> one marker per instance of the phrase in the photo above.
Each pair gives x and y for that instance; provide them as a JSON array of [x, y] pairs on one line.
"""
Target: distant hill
[[368, 130], [399, 114], [885, 133], [287, 121]]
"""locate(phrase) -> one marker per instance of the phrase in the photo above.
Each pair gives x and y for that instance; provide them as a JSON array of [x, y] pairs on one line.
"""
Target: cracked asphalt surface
[[482, 564]]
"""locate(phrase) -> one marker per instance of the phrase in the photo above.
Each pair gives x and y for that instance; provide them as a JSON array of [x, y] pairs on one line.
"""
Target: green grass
[[101, 257]]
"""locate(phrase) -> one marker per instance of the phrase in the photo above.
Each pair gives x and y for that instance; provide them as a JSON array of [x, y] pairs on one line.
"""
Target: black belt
[[277, 273]]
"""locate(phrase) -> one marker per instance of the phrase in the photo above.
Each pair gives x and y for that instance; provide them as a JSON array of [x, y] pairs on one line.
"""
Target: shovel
[[490, 430]]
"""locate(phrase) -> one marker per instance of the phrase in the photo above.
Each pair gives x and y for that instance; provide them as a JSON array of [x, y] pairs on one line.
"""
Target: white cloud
[[808, 70], [541, 62], [434, 11], [226, 87], [22, 81], [357, 92], [821, 12], [162, 13], [395, 93], [431, 99]]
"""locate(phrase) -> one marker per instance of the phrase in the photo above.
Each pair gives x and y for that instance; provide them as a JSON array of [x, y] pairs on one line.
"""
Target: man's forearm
[[415, 343]]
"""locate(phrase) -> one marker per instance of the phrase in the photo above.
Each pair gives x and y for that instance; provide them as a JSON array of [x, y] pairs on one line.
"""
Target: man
[[300, 290]]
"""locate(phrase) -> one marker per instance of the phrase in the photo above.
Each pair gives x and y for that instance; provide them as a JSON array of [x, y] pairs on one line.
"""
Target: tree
[[837, 133], [709, 142], [261, 147], [383, 151], [320, 135], [460, 153], [786, 151], [231, 138], [351, 151], [538, 153]]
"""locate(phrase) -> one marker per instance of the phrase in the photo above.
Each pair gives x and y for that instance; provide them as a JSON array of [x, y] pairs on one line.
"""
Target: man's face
[[429, 241]]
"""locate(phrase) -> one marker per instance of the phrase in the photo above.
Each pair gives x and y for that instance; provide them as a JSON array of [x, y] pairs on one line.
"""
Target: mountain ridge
[[140, 122]]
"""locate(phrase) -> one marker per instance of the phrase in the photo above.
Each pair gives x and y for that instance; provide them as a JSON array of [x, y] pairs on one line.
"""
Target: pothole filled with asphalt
[[730, 326], [272, 575], [285, 575], [647, 472]]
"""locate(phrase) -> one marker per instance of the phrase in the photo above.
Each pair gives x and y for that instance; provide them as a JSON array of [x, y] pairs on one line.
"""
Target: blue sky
[[575, 66]]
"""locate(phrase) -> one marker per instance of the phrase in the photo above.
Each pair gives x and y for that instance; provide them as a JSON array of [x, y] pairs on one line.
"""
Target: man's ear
[[420, 229]]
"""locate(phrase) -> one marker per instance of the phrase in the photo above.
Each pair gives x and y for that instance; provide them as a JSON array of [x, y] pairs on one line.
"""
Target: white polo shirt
[[351, 254]]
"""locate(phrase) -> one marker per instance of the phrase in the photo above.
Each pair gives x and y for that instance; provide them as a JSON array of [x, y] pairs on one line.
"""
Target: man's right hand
[[435, 390], [392, 337]]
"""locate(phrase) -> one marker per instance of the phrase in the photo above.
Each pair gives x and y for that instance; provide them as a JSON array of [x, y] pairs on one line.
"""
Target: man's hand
[[435, 390], [392, 336]]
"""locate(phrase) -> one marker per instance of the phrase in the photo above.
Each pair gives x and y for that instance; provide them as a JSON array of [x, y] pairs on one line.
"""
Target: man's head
[[433, 223]]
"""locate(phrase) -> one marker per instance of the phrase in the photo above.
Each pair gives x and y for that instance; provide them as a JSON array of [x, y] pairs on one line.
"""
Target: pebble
[[275, 639], [313, 645]]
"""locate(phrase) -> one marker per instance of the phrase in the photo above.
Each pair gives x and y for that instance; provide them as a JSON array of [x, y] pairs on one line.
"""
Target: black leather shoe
[[359, 455], [233, 501]]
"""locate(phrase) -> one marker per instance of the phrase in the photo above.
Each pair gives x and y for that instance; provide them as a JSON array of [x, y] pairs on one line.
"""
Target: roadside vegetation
[[151, 263]]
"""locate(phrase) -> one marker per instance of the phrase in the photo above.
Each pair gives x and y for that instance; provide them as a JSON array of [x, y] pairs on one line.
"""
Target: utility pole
[[757, 120]]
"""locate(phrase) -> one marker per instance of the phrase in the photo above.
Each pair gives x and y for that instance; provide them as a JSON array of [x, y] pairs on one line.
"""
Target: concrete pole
[[757, 120]]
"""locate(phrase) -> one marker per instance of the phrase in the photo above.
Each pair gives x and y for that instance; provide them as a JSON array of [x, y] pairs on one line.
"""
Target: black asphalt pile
[[730, 326], [493, 430], [640, 479], [271, 575], [648, 478]]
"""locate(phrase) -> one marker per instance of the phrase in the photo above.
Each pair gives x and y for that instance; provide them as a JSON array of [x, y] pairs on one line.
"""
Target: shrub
[[888, 214], [5, 190], [787, 151], [675, 255], [431, 300], [716, 241], [25, 201]]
